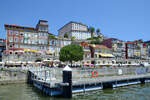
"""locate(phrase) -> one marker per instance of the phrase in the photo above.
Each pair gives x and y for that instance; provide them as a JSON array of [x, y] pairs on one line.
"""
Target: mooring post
[[45, 75], [67, 78], [29, 77]]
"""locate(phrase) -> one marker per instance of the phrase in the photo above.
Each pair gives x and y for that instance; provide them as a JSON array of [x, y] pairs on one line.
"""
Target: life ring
[[94, 73]]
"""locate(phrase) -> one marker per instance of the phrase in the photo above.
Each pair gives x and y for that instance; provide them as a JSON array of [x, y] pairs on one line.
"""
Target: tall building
[[75, 29], [27, 38], [2, 47]]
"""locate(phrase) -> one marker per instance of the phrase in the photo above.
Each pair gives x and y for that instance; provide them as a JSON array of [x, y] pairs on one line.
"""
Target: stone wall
[[24, 57], [9, 76]]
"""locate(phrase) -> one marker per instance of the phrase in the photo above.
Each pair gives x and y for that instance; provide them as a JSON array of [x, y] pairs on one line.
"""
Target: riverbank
[[12, 76]]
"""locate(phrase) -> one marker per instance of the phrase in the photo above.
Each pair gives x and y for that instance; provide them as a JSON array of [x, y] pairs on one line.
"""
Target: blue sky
[[123, 19]]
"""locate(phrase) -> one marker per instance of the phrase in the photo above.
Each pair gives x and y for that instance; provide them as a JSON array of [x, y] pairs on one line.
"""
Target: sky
[[123, 19]]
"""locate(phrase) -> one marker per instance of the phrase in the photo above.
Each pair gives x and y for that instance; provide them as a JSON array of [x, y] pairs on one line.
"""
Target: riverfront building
[[86, 49], [133, 49], [117, 46], [75, 29], [55, 44], [28, 39], [100, 51], [2, 47], [36, 43], [146, 46]]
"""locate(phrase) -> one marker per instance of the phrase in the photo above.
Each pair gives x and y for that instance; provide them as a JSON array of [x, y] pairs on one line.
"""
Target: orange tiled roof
[[84, 43]]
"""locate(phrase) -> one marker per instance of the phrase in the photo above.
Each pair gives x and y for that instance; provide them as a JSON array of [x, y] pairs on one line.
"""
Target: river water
[[28, 92]]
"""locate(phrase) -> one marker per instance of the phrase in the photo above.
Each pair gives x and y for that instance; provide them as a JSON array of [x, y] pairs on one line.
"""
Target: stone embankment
[[12, 76]]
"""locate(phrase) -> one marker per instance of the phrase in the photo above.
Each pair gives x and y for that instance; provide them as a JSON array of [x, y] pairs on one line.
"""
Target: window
[[29, 41], [16, 33], [21, 33], [53, 42], [10, 39], [10, 45], [25, 41], [103, 62], [29, 35], [10, 32], [95, 55], [21, 40], [16, 46], [16, 39]]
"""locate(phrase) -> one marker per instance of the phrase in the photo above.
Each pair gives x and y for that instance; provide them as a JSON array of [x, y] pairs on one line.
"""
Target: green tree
[[51, 36], [91, 30], [72, 38], [96, 42], [71, 53], [65, 35], [90, 38], [98, 31]]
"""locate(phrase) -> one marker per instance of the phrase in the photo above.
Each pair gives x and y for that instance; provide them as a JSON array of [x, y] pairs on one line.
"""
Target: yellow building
[[101, 51]]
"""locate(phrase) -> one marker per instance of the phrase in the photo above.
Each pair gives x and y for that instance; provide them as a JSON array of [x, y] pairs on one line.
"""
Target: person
[[5, 65]]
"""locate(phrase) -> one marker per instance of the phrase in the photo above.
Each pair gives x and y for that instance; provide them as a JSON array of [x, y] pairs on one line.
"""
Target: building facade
[[134, 49], [101, 51], [55, 44], [75, 29], [145, 50], [86, 49], [27, 38], [2, 47], [117, 46]]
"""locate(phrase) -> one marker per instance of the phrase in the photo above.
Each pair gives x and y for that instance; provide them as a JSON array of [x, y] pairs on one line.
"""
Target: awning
[[47, 60], [136, 53], [88, 64], [106, 55], [26, 49], [32, 50]]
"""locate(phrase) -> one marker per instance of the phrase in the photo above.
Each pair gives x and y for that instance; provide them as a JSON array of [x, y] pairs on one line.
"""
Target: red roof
[[18, 26], [132, 41], [84, 43], [16, 49]]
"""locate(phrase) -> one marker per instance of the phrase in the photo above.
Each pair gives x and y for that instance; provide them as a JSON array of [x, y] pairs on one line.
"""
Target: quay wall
[[19, 75], [10, 76], [106, 71], [111, 71]]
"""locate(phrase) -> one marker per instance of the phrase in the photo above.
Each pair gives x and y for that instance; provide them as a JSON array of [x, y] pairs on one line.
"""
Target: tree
[[90, 39], [98, 31], [72, 38], [71, 53], [96, 42], [65, 35], [51, 36], [91, 30]]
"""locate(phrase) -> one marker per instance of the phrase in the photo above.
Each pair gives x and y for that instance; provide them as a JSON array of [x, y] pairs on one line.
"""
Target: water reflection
[[27, 92]]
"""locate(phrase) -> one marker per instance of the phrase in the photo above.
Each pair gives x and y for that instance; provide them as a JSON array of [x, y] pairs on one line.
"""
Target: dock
[[66, 85]]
